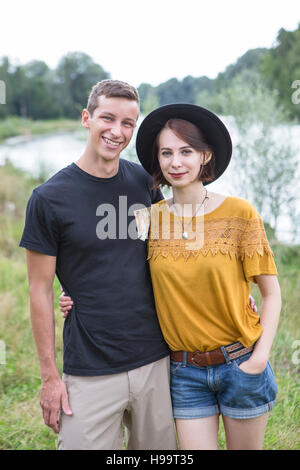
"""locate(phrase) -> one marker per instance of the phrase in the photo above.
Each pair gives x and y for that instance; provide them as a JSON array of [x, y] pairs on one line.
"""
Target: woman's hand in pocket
[[253, 366]]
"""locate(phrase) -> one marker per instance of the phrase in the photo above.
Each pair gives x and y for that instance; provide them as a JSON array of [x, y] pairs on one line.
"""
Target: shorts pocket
[[174, 366], [240, 360], [252, 394]]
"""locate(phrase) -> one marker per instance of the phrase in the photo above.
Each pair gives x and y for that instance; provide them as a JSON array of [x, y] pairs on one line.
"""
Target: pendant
[[185, 235]]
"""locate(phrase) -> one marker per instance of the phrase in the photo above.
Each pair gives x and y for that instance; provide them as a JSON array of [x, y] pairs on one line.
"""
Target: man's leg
[[98, 405], [149, 418]]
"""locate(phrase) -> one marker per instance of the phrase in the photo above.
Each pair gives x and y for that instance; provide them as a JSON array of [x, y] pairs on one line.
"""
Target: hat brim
[[212, 127]]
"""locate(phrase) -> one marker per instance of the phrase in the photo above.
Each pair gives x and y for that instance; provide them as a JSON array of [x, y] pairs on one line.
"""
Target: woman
[[204, 249]]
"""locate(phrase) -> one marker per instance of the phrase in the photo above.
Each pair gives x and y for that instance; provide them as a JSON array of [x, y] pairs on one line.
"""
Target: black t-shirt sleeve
[[156, 196], [41, 229]]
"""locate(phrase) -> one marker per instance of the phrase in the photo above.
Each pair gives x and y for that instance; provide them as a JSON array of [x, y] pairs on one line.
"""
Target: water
[[49, 153]]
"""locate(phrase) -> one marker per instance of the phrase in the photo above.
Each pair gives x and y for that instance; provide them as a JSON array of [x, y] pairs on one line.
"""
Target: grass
[[21, 423]]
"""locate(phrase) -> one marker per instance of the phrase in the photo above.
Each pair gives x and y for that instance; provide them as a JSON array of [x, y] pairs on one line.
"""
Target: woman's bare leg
[[198, 434], [245, 434]]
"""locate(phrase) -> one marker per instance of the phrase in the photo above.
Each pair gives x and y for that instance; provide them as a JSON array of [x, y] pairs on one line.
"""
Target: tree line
[[36, 91], [277, 69]]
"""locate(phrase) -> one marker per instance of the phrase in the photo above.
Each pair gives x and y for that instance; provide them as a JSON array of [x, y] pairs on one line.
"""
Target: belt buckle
[[194, 360]]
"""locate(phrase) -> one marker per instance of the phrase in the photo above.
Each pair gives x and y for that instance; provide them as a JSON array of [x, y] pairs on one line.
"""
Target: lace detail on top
[[234, 236]]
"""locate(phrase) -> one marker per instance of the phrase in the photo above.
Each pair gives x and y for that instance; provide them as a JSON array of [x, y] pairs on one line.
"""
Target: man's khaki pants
[[139, 398]]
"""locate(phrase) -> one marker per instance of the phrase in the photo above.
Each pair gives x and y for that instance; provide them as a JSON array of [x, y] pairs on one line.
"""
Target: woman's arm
[[66, 304], [269, 318]]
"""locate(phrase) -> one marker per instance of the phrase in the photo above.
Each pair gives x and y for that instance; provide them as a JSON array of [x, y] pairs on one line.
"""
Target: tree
[[169, 92], [76, 73], [173, 91], [251, 60], [39, 94], [282, 67], [264, 162], [148, 98]]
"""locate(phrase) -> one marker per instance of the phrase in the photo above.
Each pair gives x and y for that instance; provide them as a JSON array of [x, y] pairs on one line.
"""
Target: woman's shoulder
[[239, 207]]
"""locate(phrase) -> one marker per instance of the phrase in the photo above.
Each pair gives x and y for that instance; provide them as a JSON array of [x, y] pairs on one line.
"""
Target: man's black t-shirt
[[88, 224]]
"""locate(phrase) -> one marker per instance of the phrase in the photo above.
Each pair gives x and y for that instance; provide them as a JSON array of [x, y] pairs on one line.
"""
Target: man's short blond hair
[[111, 89]]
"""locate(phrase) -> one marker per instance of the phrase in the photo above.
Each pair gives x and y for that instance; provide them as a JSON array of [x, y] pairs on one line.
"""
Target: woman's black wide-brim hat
[[212, 127]]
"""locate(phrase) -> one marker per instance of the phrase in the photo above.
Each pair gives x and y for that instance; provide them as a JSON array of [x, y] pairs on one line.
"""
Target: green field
[[21, 423]]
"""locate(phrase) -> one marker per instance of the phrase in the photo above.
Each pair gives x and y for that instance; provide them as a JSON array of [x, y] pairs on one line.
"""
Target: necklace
[[185, 232]]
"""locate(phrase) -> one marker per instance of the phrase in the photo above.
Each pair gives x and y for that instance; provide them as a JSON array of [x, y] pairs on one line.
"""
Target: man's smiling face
[[111, 126]]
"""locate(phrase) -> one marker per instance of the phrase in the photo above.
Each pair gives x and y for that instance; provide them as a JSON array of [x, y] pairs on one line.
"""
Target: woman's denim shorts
[[199, 392]]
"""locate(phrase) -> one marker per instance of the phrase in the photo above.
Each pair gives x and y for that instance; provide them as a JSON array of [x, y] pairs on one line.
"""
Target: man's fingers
[[46, 416], [51, 418], [54, 422], [52, 394], [65, 405], [65, 402]]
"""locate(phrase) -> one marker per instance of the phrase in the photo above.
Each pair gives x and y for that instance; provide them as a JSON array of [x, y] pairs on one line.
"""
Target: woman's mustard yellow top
[[202, 287]]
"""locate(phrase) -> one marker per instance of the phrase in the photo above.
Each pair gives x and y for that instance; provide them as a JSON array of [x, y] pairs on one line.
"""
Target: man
[[115, 359]]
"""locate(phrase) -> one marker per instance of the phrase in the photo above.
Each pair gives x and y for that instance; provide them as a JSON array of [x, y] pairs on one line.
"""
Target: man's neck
[[96, 166]]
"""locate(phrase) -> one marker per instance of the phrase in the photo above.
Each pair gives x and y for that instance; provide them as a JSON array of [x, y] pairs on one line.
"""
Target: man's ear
[[85, 118]]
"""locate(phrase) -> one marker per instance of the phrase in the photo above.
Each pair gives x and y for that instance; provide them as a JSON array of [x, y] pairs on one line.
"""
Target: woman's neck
[[189, 201], [193, 194]]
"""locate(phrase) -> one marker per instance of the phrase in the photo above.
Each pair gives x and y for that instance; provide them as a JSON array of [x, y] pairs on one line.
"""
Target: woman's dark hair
[[193, 136]]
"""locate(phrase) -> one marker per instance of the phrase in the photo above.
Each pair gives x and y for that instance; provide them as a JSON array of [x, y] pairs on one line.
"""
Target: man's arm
[[41, 272]]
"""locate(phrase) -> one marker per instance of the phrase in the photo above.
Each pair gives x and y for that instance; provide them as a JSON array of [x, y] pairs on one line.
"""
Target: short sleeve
[[155, 193], [256, 254], [41, 229], [156, 196]]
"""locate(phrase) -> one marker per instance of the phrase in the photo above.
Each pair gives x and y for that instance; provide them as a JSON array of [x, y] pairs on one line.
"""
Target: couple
[[117, 338]]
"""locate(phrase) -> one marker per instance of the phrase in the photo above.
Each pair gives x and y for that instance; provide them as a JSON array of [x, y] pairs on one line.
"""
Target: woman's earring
[[208, 159]]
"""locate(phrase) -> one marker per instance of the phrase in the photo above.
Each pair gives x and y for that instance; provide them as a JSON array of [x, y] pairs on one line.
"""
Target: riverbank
[[21, 423], [16, 126]]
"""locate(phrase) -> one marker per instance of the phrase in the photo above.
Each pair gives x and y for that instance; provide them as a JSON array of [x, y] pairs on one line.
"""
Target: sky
[[146, 41]]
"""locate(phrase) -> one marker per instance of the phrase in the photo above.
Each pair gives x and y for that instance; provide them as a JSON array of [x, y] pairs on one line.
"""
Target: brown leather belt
[[212, 358]]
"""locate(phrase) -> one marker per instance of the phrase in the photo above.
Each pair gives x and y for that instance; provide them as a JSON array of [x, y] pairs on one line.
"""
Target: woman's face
[[179, 162]]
